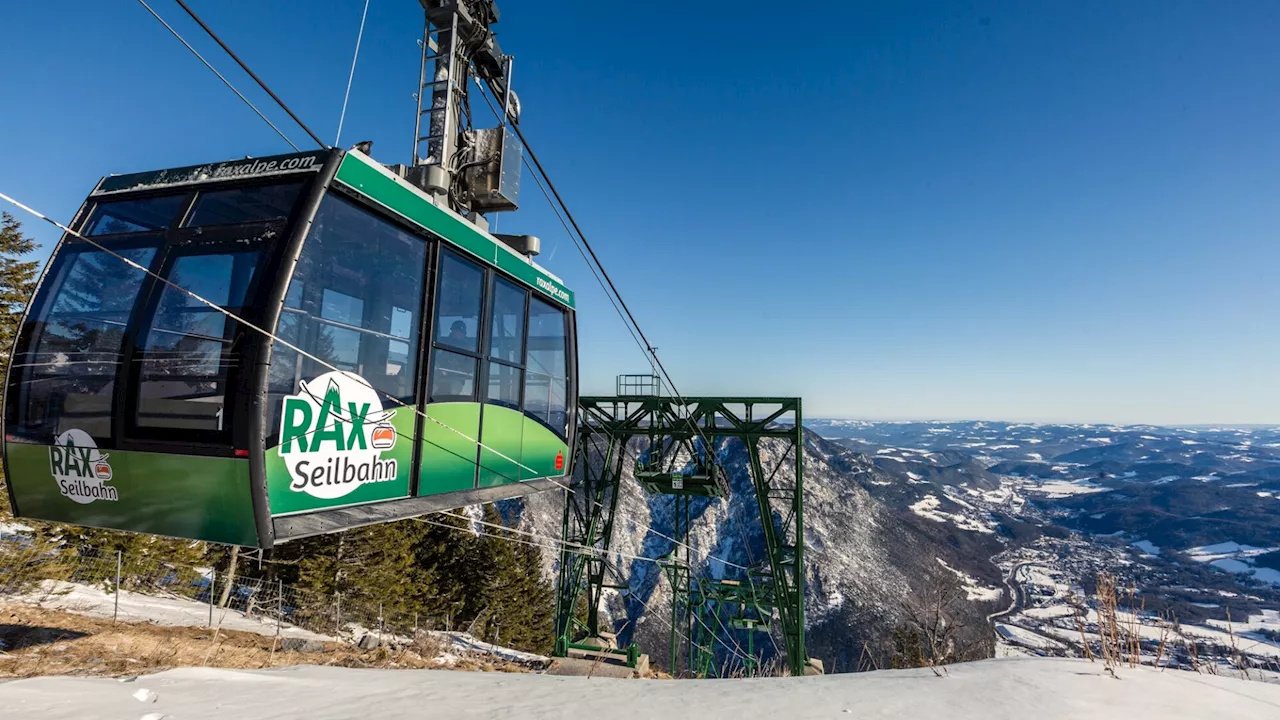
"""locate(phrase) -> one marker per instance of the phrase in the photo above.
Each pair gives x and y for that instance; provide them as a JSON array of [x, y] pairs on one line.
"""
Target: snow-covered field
[[1149, 628], [973, 589], [135, 607], [184, 612], [1027, 638], [928, 507], [1063, 488], [1015, 688], [1236, 558]]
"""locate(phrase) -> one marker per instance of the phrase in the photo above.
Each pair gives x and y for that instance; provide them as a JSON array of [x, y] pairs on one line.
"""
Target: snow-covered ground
[[929, 507], [1063, 488], [1027, 638], [1236, 558], [135, 607], [1013, 688], [973, 589], [184, 612]]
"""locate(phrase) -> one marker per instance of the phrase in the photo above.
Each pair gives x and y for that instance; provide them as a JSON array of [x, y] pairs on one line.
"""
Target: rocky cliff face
[[866, 553]]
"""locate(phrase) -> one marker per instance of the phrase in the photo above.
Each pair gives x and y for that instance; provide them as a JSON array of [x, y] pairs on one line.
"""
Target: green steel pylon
[[691, 428]]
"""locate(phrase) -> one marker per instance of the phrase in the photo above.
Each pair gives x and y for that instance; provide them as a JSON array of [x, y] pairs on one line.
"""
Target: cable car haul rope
[[258, 350]]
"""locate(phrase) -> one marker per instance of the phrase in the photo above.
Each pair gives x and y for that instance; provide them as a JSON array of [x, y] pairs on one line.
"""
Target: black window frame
[[417, 356], [168, 244], [483, 353], [36, 323], [491, 294], [482, 325], [186, 242]]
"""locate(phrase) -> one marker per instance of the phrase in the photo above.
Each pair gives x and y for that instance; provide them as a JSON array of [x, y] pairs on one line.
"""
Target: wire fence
[[135, 587]]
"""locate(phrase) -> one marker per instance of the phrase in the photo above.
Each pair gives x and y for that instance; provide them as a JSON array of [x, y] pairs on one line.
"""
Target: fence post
[[279, 605], [337, 622], [379, 624], [213, 587], [115, 614]]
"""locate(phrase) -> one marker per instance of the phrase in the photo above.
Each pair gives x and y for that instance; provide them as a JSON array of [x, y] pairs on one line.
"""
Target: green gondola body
[[417, 363]]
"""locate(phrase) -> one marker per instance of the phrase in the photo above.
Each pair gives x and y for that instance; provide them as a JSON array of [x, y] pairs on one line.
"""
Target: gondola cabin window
[[546, 393], [355, 302], [68, 374]]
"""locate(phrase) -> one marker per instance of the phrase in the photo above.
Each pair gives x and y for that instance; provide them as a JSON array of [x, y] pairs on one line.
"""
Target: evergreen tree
[[17, 279], [517, 606], [407, 567], [17, 282]]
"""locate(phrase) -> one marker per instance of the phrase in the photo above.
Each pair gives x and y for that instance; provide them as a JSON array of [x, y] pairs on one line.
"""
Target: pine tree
[[516, 605], [17, 279], [17, 282]]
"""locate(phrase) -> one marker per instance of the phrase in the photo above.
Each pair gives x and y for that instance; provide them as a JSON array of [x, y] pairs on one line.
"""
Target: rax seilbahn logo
[[332, 436], [80, 469]]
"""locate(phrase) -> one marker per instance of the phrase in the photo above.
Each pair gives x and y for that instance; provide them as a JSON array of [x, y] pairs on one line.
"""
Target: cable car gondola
[[408, 360]]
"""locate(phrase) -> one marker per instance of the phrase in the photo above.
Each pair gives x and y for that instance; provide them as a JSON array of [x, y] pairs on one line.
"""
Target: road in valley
[[1015, 596]]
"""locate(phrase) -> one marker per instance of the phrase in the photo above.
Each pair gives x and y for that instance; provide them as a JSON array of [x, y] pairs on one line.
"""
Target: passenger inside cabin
[[458, 332]]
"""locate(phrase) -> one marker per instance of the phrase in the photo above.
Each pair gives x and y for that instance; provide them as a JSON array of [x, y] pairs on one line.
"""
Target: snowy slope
[[136, 607], [1009, 688]]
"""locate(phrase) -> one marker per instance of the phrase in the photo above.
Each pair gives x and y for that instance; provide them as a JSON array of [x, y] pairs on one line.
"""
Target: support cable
[[250, 72], [221, 77], [352, 75], [227, 313], [232, 316], [624, 312], [538, 177]]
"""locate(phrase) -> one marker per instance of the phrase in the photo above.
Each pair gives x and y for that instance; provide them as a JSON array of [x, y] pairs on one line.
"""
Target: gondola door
[[187, 367]]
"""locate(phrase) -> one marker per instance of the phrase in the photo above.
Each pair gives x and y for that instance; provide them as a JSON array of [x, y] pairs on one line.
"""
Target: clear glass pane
[[558, 409], [458, 303], [286, 364], [401, 322], [68, 375], [453, 377], [341, 307], [546, 351], [397, 357], [188, 350], [365, 273], [222, 279], [251, 204], [506, 335], [293, 296], [504, 385], [537, 396], [341, 347], [98, 283], [131, 216]]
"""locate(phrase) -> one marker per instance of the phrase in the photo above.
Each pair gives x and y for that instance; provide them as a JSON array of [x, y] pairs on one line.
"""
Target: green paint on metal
[[675, 429], [449, 448], [449, 459], [339, 447], [376, 183], [589, 512], [503, 439], [201, 498], [542, 452]]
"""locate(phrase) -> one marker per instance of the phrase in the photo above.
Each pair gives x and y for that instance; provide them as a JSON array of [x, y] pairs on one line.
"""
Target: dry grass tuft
[[36, 641]]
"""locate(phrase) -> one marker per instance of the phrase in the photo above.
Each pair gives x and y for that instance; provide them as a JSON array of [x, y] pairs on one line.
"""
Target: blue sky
[[995, 210]]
